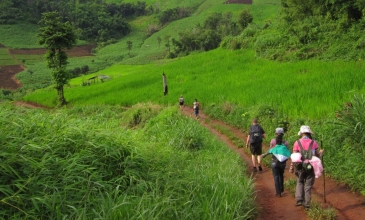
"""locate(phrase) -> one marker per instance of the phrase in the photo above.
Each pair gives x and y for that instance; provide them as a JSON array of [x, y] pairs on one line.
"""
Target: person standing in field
[[254, 138], [305, 177], [196, 108], [181, 102], [280, 154]]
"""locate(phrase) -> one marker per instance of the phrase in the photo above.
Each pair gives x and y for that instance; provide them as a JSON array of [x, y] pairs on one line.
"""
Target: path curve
[[348, 205]]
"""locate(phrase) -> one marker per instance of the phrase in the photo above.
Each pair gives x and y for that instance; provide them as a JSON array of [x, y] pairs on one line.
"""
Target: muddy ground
[[8, 80]]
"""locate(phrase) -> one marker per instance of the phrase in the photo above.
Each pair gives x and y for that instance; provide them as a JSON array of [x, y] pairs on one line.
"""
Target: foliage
[[57, 37], [173, 14], [244, 18], [206, 37], [346, 140], [95, 20], [80, 163]]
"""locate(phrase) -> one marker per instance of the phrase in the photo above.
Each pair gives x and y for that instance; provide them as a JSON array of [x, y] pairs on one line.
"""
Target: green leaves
[[57, 37]]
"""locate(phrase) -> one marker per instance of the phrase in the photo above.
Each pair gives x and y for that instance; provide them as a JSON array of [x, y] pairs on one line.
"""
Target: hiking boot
[[299, 203], [254, 169], [260, 168]]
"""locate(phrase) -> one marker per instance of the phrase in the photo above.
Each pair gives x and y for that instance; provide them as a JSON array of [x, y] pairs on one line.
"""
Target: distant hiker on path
[[254, 138], [181, 102], [196, 107], [280, 154], [305, 173]]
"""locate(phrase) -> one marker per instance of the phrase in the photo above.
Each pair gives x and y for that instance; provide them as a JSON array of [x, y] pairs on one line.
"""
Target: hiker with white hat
[[305, 174]]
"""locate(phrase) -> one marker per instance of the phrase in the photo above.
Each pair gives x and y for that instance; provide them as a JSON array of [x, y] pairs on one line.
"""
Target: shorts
[[181, 103], [256, 149]]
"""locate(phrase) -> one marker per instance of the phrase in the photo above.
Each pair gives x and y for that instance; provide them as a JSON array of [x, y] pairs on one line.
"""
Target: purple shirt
[[273, 143]]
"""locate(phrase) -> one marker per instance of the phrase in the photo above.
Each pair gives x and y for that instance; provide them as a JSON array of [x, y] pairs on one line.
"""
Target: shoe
[[260, 168], [299, 203], [306, 207], [254, 169], [278, 195]]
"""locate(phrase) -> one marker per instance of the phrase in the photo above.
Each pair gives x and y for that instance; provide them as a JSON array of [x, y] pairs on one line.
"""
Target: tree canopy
[[57, 36]]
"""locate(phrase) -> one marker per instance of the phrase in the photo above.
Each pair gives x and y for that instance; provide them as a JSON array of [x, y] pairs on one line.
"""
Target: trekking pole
[[324, 177]]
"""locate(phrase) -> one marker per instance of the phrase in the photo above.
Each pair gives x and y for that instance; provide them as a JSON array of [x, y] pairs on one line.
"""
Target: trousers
[[278, 173], [303, 191]]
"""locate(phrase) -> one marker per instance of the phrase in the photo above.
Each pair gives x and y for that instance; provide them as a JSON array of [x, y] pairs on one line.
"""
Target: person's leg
[[276, 174], [253, 156], [281, 174], [253, 160], [299, 191], [308, 189], [259, 152]]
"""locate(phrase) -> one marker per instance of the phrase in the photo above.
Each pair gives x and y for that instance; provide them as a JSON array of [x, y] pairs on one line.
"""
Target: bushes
[[173, 14], [79, 163]]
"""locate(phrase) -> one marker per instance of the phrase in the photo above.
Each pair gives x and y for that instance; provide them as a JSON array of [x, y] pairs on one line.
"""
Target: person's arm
[[265, 154], [247, 141], [318, 152], [295, 147]]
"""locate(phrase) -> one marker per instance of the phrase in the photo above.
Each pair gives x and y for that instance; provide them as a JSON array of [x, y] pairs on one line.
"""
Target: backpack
[[256, 134], [305, 166], [196, 106]]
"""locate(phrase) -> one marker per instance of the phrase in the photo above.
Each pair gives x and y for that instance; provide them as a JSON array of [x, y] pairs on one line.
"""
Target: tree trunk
[[61, 97]]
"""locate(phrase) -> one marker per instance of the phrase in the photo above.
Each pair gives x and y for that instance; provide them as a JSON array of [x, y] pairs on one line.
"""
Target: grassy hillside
[[220, 76]]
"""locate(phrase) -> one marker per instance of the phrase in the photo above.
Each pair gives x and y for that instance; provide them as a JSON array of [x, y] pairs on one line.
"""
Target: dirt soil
[[7, 73], [249, 2], [348, 205], [7, 77], [74, 52]]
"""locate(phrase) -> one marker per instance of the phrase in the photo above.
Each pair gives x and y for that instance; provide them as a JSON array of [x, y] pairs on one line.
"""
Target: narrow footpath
[[348, 205]]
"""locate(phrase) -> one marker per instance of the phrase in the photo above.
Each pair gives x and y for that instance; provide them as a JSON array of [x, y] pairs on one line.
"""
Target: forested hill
[[301, 29], [96, 20]]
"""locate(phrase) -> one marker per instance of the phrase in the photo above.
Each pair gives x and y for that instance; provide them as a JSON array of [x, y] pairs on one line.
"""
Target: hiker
[[181, 102], [305, 175], [280, 154], [196, 107], [254, 138]]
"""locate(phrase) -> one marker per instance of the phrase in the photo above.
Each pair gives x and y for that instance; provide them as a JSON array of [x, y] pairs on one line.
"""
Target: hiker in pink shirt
[[305, 177]]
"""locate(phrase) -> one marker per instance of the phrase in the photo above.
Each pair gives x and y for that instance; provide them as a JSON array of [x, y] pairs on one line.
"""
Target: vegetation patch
[[82, 157]]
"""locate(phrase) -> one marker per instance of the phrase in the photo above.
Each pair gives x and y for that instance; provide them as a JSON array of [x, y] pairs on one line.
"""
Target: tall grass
[[86, 162]]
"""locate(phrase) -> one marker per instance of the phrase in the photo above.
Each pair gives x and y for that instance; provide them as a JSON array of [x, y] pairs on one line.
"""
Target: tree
[[129, 47], [244, 18], [56, 37]]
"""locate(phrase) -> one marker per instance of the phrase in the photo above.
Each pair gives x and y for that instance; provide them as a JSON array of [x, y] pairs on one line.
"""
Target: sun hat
[[279, 131], [305, 129]]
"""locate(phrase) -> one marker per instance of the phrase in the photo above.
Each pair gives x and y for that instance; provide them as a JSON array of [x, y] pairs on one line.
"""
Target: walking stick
[[324, 177]]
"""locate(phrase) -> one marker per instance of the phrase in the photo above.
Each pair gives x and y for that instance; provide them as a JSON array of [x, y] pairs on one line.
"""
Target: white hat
[[305, 129], [279, 131]]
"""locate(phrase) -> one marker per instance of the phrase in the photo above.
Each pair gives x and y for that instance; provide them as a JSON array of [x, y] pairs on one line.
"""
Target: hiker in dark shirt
[[254, 138]]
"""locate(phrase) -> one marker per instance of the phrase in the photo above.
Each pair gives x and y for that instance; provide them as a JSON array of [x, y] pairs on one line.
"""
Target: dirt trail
[[348, 205]]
